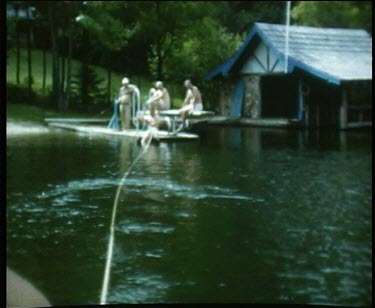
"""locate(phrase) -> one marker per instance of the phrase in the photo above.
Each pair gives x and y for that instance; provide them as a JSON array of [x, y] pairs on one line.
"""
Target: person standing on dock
[[160, 100], [192, 102], [125, 103]]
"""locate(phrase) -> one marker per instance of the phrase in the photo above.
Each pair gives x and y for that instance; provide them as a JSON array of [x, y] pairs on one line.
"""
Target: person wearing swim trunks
[[192, 102]]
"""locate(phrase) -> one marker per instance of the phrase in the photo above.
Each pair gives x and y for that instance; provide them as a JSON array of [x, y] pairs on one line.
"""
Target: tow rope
[[103, 297]]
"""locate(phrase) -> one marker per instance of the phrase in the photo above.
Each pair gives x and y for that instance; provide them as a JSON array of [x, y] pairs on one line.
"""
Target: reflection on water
[[244, 215]]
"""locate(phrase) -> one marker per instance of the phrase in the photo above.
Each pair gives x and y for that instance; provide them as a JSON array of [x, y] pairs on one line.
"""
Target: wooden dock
[[133, 133], [87, 125], [264, 122], [360, 124], [75, 120]]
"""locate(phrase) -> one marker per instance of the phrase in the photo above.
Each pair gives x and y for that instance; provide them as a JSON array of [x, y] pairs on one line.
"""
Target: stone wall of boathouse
[[226, 97], [251, 105]]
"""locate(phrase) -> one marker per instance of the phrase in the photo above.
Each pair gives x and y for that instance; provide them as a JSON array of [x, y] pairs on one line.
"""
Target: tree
[[204, 44], [86, 88], [99, 21], [162, 23], [23, 24], [11, 29], [71, 10], [57, 18], [42, 30], [17, 7], [56, 86], [29, 60], [16, 22], [343, 14], [240, 15]]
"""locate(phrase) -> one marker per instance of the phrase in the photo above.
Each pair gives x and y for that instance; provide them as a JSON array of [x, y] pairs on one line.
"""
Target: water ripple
[[139, 288], [151, 227], [66, 193]]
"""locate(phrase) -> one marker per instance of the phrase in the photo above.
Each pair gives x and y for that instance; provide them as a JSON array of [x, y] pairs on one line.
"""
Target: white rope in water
[[103, 298]]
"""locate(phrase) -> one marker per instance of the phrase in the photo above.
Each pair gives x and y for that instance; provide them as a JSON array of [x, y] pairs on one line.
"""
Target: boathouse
[[306, 75]]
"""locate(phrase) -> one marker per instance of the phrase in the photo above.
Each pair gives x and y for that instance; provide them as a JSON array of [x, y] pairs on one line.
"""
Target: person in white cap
[[125, 103], [160, 100]]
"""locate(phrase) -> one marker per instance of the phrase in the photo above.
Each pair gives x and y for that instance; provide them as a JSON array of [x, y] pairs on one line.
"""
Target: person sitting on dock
[[192, 102], [125, 102], [160, 100]]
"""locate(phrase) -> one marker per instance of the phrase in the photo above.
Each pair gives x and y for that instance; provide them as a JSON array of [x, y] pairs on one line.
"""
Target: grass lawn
[[24, 113], [28, 113]]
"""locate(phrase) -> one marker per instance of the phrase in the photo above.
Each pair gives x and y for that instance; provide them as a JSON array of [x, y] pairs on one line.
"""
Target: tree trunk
[[85, 71], [29, 61], [69, 67], [84, 84], [56, 93], [44, 67], [159, 56], [62, 87], [17, 47], [160, 62], [62, 73], [109, 79]]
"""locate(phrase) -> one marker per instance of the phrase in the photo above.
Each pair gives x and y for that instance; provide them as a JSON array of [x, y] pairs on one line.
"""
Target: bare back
[[193, 96]]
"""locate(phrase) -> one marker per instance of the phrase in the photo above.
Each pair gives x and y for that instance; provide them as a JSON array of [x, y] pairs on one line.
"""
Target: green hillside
[[37, 73]]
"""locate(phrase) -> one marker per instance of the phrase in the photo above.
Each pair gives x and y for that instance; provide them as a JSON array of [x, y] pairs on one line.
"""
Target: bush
[[23, 112], [20, 94], [86, 90], [26, 80]]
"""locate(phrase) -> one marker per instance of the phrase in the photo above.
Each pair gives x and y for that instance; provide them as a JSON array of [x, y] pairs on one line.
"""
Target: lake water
[[247, 215]]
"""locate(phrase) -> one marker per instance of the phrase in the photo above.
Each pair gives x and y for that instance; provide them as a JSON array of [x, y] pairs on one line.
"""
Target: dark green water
[[243, 215]]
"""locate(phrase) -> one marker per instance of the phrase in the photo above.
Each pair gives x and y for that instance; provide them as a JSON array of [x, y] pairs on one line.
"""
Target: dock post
[[306, 114], [344, 109], [300, 109], [260, 98]]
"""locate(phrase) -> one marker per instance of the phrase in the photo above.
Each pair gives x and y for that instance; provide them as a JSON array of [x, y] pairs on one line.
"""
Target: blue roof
[[329, 53]]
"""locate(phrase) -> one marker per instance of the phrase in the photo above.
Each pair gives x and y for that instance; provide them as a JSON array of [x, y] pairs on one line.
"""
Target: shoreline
[[14, 128]]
